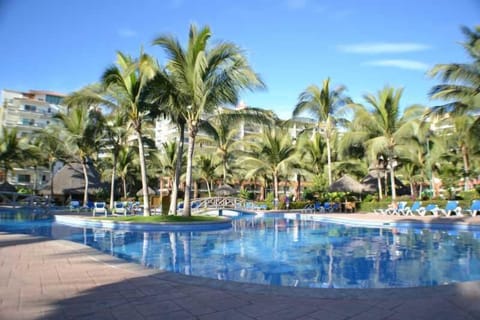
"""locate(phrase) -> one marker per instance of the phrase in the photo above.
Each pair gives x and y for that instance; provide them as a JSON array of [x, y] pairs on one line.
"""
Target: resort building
[[29, 112]]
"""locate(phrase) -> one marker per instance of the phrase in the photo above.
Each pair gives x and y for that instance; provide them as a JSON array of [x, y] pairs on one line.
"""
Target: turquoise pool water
[[287, 251]]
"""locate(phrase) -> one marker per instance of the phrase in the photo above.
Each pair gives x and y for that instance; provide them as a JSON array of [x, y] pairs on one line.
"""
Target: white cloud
[[383, 47], [399, 63], [126, 33]]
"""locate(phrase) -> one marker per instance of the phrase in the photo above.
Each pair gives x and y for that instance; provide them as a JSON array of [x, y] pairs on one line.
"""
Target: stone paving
[[42, 278]]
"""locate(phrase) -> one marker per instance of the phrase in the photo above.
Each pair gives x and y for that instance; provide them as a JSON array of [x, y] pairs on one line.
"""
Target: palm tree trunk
[[178, 168], [124, 183], [112, 182], [392, 180], [143, 172], [329, 161], [85, 177], [466, 168], [275, 190], [208, 188], [188, 182], [51, 182], [299, 186], [379, 181]]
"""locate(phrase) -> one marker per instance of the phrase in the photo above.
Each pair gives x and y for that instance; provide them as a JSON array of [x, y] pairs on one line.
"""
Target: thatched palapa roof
[[70, 181], [347, 184]]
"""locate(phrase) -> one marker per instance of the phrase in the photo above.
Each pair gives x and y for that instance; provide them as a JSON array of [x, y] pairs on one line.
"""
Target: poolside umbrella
[[346, 184], [225, 190]]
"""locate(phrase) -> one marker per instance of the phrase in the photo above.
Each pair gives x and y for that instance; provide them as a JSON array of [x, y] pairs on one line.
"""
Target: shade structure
[[225, 190], [151, 192], [70, 181], [7, 187], [347, 184]]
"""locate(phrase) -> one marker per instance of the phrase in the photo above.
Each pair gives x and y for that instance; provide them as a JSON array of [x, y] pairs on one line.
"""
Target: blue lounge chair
[[474, 208], [450, 208], [74, 205], [410, 211], [423, 211]]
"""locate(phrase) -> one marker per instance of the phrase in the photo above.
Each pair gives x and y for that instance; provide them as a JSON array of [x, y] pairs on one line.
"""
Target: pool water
[[286, 251]]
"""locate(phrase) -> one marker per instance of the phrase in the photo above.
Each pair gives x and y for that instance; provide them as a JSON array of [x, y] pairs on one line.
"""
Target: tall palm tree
[[97, 96], [272, 154], [322, 103], [462, 89], [129, 78], [205, 78], [382, 128], [81, 131]]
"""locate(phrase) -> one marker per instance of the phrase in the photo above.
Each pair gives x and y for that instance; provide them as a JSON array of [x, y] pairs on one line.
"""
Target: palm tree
[[127, 161], [462, 89], [382, 128], [322, 103], [206, 167], [205, 78], [272, 154], [52, 150], [81, 131], [223, 132], [168, 161], [129, 78], [13, 149]]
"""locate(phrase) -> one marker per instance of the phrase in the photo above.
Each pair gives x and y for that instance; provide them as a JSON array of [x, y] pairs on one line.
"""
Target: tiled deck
[[55, 279]]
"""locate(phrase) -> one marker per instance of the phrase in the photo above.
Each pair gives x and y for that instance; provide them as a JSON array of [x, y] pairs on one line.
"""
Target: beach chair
[[400, 209], [317, 206], [474, 208], [74, 205], [99, 207], [119, 208], [423, 211], [450, 208], [410, 211]]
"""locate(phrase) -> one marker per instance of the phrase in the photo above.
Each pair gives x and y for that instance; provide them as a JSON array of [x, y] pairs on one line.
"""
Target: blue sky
[[63, 45]]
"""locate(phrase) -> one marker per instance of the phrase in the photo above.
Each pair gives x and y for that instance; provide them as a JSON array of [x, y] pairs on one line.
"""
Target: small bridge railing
[[15, 199], [218, 202]]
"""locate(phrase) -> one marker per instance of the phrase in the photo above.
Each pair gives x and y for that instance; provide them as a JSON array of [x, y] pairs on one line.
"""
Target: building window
[[23, 178], [53, 99], [29, 107]]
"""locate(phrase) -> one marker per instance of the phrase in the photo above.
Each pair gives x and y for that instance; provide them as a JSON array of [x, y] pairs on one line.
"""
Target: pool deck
[[42, 278]]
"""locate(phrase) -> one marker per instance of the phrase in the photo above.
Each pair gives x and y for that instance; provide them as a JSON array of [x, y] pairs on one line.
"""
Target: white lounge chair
[[119, 208], [99, 207]]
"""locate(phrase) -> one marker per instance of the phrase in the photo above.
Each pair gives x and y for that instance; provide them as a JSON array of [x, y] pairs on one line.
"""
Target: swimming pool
[[285, 250]]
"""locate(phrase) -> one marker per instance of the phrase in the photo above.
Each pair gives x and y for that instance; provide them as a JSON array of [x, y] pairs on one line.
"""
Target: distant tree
[[322, 103]]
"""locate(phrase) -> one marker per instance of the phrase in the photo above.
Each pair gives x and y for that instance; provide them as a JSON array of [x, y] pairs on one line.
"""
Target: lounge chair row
[[451, 208]]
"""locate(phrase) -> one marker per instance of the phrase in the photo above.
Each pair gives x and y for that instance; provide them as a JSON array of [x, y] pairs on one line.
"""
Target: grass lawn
[[160, 218]]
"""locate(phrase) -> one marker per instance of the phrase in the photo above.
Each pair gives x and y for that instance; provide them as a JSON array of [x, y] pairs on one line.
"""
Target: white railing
[[218, 202]]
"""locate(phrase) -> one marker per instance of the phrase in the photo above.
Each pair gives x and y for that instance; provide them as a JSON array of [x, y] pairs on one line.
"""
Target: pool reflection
[[279, 251]]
